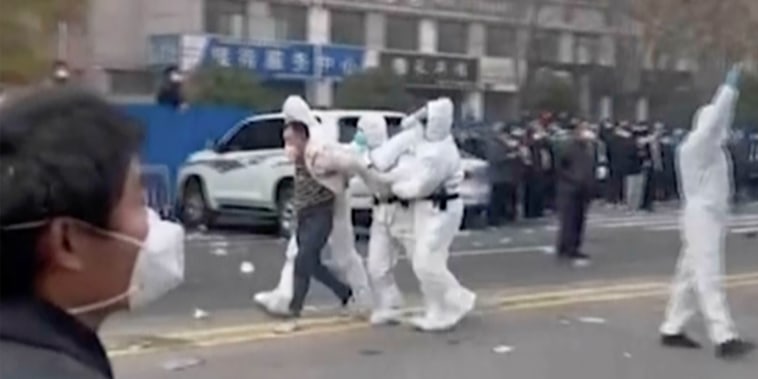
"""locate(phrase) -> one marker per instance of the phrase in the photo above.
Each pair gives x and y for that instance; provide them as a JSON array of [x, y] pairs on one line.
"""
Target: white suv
[[245, 173]]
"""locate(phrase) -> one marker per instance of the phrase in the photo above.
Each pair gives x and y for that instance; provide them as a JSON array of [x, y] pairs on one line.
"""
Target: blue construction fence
[[171, 135]]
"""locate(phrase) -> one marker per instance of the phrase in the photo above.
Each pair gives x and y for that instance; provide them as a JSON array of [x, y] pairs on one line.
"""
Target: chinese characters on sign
[[286, 61], [432, 70]]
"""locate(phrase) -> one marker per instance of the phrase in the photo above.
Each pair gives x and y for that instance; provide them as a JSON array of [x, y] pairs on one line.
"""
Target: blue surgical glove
[[359, 140], [733, 78]]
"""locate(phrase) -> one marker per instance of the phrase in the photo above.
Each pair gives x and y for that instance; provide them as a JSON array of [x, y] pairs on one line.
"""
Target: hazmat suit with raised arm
[[333, 173], [705, 177], [431, 186], [391, 226]]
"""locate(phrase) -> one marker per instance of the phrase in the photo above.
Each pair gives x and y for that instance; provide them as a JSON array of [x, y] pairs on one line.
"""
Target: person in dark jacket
[[170, 90], [576, 180], [73, 223], [504, 166], [538, 170]]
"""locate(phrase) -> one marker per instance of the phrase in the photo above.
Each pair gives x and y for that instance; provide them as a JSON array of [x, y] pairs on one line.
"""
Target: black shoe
[[679, 340], [734, 348], [345, 300]]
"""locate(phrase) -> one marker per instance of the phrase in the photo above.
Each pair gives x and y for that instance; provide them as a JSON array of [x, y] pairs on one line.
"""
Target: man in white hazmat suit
[[431, 185], [344, 259], [704, 171], [391, 226]]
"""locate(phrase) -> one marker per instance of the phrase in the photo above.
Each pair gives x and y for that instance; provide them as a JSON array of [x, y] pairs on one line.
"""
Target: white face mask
[[159, 267]]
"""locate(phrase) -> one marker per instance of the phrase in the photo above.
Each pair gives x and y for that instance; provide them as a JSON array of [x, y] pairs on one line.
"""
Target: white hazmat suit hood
[[374, 128], [439, 120]]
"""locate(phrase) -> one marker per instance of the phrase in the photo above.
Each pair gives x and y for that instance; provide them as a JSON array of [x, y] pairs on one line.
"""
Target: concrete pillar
[[585, 96], [427, 36], [319, 91], [566, 48], [375, 25], [318, 24], [261, 26], [643, 109], [477, 39], [477, 46], [473, 105], [606, 107]]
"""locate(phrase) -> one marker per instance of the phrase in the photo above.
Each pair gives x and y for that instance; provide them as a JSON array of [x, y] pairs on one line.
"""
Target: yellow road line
[[262, 331]]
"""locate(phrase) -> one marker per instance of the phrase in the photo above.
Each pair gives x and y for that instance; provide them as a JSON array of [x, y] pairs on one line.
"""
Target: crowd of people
[[635, 163]]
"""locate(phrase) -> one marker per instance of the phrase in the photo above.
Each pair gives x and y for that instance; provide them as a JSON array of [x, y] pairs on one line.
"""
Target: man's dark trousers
[[572, 208], [314, 225]]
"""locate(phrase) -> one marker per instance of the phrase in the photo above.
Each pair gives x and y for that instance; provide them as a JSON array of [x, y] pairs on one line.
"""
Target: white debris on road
[[548, 250], [502, 349], [627, 355], [200, 314], [505, 240], [247, 268], [286, 327], [592, 320], [219, 252], [183, 363]]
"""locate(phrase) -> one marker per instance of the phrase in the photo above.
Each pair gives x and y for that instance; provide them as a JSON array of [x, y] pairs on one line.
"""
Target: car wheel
[[195, 211], [285, 210]]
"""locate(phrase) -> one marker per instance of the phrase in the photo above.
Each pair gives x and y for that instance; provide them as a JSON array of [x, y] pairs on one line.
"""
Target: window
[[586, 49], [257, 135], [226, 17], [546, 45], [347, 28], [452, 37], [401, 33], [290, 22], [501, 41], [348, 127]]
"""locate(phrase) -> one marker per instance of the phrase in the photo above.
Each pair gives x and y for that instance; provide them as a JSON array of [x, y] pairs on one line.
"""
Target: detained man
[[391, 226], [705, 173], [342, 259], [77, 242], [431, 186]]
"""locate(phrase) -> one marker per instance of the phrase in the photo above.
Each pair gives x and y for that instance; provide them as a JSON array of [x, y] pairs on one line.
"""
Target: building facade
[[478, 52]]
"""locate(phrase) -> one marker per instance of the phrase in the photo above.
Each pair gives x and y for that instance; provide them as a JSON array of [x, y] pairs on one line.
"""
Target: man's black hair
[[63, 152]]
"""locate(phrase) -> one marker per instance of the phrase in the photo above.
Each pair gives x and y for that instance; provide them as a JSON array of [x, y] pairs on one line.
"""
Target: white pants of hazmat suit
[[436, 170], [704, 171], [345, 260], [391, 230]]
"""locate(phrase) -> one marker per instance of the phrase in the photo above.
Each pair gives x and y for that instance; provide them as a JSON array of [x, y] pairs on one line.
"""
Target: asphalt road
[[527, 324], [623, 247], [596, 340]]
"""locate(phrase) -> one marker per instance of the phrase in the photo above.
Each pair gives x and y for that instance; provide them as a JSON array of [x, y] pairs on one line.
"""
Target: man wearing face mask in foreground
[[705, 175], [77, 241]]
